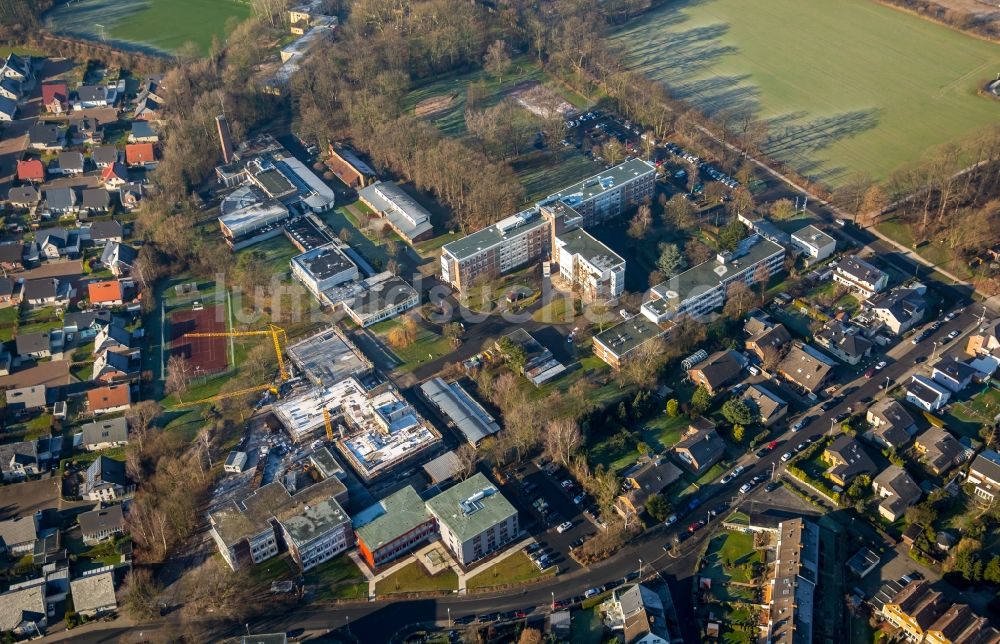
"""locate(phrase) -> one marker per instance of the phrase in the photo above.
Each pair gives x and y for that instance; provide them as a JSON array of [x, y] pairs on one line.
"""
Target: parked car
[[591, 592], [772, 486], [667, 547], [697, 525], [800, 424], [881, 365], [787, 456], [671, 520], [564, 526], [953, 335]]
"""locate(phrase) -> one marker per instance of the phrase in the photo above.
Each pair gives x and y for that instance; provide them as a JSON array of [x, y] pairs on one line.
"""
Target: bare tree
[[468, 457], [140, 417], [645, 362], [138, 594], [180, 373], [562, 439], [497, 60]]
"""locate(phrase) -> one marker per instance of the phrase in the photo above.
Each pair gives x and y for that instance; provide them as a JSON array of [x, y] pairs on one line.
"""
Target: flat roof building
[[328, 357], [589, 265], [614, 345], [392, 527], [409, 219], [608, 193], [384, 296], [790, 591], [253, 223], [815, 244], [322, 268], [474, 518], [460, 409], [702, 289]]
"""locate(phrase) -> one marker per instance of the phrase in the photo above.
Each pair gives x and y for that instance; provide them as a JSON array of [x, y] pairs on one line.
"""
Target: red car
[[870, 373], [697, 525]]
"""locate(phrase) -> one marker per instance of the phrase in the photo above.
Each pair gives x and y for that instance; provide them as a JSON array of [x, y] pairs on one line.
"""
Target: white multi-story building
[[704, 288], [323, 268], [861, 277], [474, 518], [814, 243], [589, 265]]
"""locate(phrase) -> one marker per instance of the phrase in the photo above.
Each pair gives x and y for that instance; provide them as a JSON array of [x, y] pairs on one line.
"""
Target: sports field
[[206, 355], [846, 85], [162, 25]]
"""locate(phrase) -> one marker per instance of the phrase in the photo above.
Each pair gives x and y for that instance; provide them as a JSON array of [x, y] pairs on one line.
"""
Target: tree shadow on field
[[803, 136], [674, 57], [732, 94]]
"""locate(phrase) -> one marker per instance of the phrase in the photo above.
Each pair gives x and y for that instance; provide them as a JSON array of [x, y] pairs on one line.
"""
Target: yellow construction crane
[[328, 423], [276, 333]]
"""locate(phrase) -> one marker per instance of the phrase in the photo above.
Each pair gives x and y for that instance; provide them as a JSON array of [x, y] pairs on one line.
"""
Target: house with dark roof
[[12, 256], [32, 170], [149, 99], [18, 535], [41, 292], [844, 341], [23, 609], [10, 88], [105, 155], [46, 136], [105, 480], [719, 370], [927, 394], [960, 625], [952, 374], [848, 460], [859, 276], [892, 427], [19, 460], [31, 346], [897, 490], [914, 609], [10, 293], [984, 474], [91, 96], [899, 310], [54, 243], [23, 196], [112, 337], [939, 450], [101, 524], [68, 163], [60, 201], [117, 366], [701, 447], [119, 258], [768, 341], [142, 132], [104, 434], [94, 593], [637, 613], [8, 109], [769, 406], [641, 482], [102, 232], [805, 367], [95, 201], [130, 195]]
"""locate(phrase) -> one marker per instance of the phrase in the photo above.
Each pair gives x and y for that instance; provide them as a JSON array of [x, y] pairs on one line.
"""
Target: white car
[[953, 335], [746, 487], [563, 527], [671, 520], [881, 365], [787, 456]]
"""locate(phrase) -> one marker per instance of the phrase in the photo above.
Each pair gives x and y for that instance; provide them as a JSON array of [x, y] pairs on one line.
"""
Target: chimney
[[225, 138]]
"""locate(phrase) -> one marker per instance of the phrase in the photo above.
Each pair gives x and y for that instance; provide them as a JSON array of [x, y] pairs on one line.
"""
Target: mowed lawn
[[160, 24], [846, 85]]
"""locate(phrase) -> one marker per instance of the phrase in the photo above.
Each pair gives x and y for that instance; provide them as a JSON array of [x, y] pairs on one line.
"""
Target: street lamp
[[887, 379], [553, 599], [833, 421], [449, 616], [640, 569]]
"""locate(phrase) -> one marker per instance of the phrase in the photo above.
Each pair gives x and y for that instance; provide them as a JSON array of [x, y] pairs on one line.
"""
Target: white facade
[[860, 276], [814, 243]]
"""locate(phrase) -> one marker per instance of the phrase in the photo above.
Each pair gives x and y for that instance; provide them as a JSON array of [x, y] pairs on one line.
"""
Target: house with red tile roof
[[140, 155], [114, 176], [108, 400], [55, 96], [31, 170], [105, 294]]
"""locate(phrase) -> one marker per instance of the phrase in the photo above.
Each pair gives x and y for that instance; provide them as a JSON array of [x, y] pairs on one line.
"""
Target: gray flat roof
[[628, 335], [381, 294], [814, 236], [471, 507], [598, 184], [710, 274], [461, 409], [327, 358], [390, 518], [323, 262], [398, 207], [580, 242], [254, 217], [509, 228]]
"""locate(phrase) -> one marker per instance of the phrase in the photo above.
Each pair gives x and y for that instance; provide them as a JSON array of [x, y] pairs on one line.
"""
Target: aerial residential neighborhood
[[500, 323]]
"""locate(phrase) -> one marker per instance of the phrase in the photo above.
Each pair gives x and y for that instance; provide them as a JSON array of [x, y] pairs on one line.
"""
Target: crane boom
[[272, 330], [328, 423]]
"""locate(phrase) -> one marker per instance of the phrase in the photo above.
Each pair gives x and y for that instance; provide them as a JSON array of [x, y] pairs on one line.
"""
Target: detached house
[[805, 367], [23, 197], [102, 232], [719, 370], [939, 450], [770, 407], [897, 490], [105, 155], [104, 434], [106, 294], [19, 460], [849, 460], [142, 132], [90, 96], [844, 341], [114, 176], [900, 310], [12, 256], [105, 481], [701, 447], [116, 366], [771, 340], [119, 258], [140, 155], [55, 96], [643, 481], [101, 524], [60, 201], [861, 277], [32, 170], [108, 400], [984, 475], [42, 292], [10, 89], [892, 426], [96, 201], [927, 394], [31, 346], [54, 243], [952, 374], [68, 163], [47, 137]]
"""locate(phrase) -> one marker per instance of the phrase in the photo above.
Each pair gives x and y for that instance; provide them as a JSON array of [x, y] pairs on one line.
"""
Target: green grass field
[[159, 24], [846, 85]]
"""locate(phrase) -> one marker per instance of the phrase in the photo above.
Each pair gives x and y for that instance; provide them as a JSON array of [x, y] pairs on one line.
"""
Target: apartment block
[[704, 288], [474, 518], [590, 266]]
